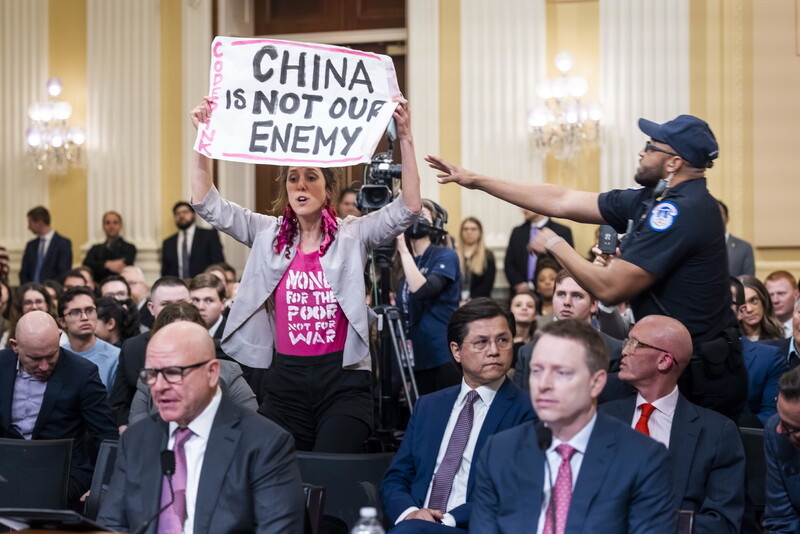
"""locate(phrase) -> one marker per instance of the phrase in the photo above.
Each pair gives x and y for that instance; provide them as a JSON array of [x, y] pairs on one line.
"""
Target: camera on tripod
[[378, 191]]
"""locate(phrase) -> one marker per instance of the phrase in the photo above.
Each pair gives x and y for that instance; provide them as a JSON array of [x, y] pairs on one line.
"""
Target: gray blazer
[[249, 334], [249, 481], [230, 380]]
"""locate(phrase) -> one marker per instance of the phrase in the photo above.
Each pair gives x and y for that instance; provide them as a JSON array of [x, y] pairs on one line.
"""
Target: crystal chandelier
[[52, 144], [562, 124]]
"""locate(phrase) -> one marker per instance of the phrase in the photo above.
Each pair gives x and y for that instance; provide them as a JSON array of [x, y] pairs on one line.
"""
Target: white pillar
[[502, 59], [644, 61], [24, 60]]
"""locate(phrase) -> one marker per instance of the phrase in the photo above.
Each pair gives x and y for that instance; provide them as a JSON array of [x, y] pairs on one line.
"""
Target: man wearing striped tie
[[428, 487], [706, 452], [583, 473]]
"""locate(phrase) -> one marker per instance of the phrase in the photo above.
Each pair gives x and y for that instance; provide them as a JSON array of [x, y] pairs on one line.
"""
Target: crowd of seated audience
[[544, 409]]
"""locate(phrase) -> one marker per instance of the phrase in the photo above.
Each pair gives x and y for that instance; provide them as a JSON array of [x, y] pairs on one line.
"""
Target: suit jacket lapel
[[220, 453], [51, 393], [531, 481], [150, 469], [594, 469], [683, 438]]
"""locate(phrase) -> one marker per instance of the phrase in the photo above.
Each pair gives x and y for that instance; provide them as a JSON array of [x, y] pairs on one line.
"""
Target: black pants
[[326, 408]]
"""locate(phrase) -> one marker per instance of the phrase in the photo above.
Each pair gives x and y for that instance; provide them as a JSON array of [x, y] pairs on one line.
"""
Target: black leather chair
[[34, 473], [350, 481], [103, 469]]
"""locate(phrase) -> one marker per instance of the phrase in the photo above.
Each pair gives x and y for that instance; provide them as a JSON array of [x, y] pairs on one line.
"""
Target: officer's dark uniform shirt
[[679, 238]]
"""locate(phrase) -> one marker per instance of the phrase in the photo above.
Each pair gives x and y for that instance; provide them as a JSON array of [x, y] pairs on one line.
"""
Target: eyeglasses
[[648, 147], [482, 344], [76, 314], [788, 429], [634, 344], [116, 294], [173, 374]]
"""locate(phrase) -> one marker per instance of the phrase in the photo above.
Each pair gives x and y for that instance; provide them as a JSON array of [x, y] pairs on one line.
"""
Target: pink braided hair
[[290, 226]]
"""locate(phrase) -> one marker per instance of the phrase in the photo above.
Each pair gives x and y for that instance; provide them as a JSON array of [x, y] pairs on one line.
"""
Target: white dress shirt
[[189, 232], [579, 442], [660, 423], [195, 450], [458, 492], [48, 238]]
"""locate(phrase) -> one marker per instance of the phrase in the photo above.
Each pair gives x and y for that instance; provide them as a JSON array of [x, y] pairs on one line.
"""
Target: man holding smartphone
[[673, 260]]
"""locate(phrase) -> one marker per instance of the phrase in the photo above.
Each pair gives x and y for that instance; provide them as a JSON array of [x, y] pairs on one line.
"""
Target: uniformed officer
[[673, 259]]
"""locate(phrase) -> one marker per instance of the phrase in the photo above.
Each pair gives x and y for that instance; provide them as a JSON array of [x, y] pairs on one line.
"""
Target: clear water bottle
[[368, 524]]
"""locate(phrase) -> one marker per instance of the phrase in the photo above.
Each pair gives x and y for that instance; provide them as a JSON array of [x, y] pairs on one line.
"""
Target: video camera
[[377, 190]]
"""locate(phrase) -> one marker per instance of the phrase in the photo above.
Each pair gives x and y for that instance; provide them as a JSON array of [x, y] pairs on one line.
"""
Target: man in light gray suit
[[740, 252], [234, 470]]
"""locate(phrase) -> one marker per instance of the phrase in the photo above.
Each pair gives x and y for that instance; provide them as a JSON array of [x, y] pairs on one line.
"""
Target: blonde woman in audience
[[757, 318], [478, 269]]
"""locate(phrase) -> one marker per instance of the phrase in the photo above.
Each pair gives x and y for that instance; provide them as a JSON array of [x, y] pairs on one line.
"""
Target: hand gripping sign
[[287, 103]]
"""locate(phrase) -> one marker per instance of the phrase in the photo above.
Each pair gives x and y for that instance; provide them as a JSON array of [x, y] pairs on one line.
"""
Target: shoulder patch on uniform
[[662, 216]]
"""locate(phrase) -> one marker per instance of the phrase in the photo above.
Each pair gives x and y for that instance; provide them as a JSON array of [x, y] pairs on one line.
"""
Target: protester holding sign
[[302, 294]]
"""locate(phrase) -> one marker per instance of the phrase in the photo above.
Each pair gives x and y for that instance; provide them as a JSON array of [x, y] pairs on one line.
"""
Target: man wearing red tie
[[590, 473], [706, 453]]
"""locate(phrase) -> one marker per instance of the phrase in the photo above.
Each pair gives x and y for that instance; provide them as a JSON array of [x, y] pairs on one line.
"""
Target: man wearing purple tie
[[428, 487], [584, 472], [233, 470]]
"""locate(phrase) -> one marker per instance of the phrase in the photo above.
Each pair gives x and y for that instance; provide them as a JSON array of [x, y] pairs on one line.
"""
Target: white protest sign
[[287, 103]]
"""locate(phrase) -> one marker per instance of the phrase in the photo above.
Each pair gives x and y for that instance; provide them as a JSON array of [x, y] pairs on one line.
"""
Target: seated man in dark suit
[[47, 392], [570, 301], [166, 290], [782, 448], [604, 477], [520, 262], [112, 255], [429, 485], [706, 453], [188, 252], [48, 256], [235, 471]]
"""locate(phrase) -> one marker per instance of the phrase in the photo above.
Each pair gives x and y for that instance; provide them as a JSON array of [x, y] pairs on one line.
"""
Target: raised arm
[[201, 170], [546, 199], [410, 178]]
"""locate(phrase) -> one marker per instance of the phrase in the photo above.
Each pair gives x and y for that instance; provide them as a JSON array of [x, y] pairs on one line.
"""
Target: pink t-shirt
[[308, 320]]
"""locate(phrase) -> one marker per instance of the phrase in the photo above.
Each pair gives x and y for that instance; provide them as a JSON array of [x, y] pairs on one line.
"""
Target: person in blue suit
[[49, 255], [605, 476], [782, 449], [480, 335], [707, 458]]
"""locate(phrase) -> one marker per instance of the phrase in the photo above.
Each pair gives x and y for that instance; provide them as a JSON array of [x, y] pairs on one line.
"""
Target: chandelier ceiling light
[[52, 143], [562, 123]]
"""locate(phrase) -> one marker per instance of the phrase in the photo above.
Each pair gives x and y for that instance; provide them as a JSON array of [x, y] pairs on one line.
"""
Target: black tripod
[[392, 351]]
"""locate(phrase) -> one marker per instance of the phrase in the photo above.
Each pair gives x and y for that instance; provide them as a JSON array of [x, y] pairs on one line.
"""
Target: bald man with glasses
[[706, 453], [246, 463]]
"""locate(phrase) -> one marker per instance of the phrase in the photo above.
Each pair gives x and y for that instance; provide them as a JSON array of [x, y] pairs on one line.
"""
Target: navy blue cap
[[689, 136]]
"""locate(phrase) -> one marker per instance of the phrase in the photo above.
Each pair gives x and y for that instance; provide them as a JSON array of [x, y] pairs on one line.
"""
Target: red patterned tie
[[562, 493], [641, 424], [443, 479], [171, 521]]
